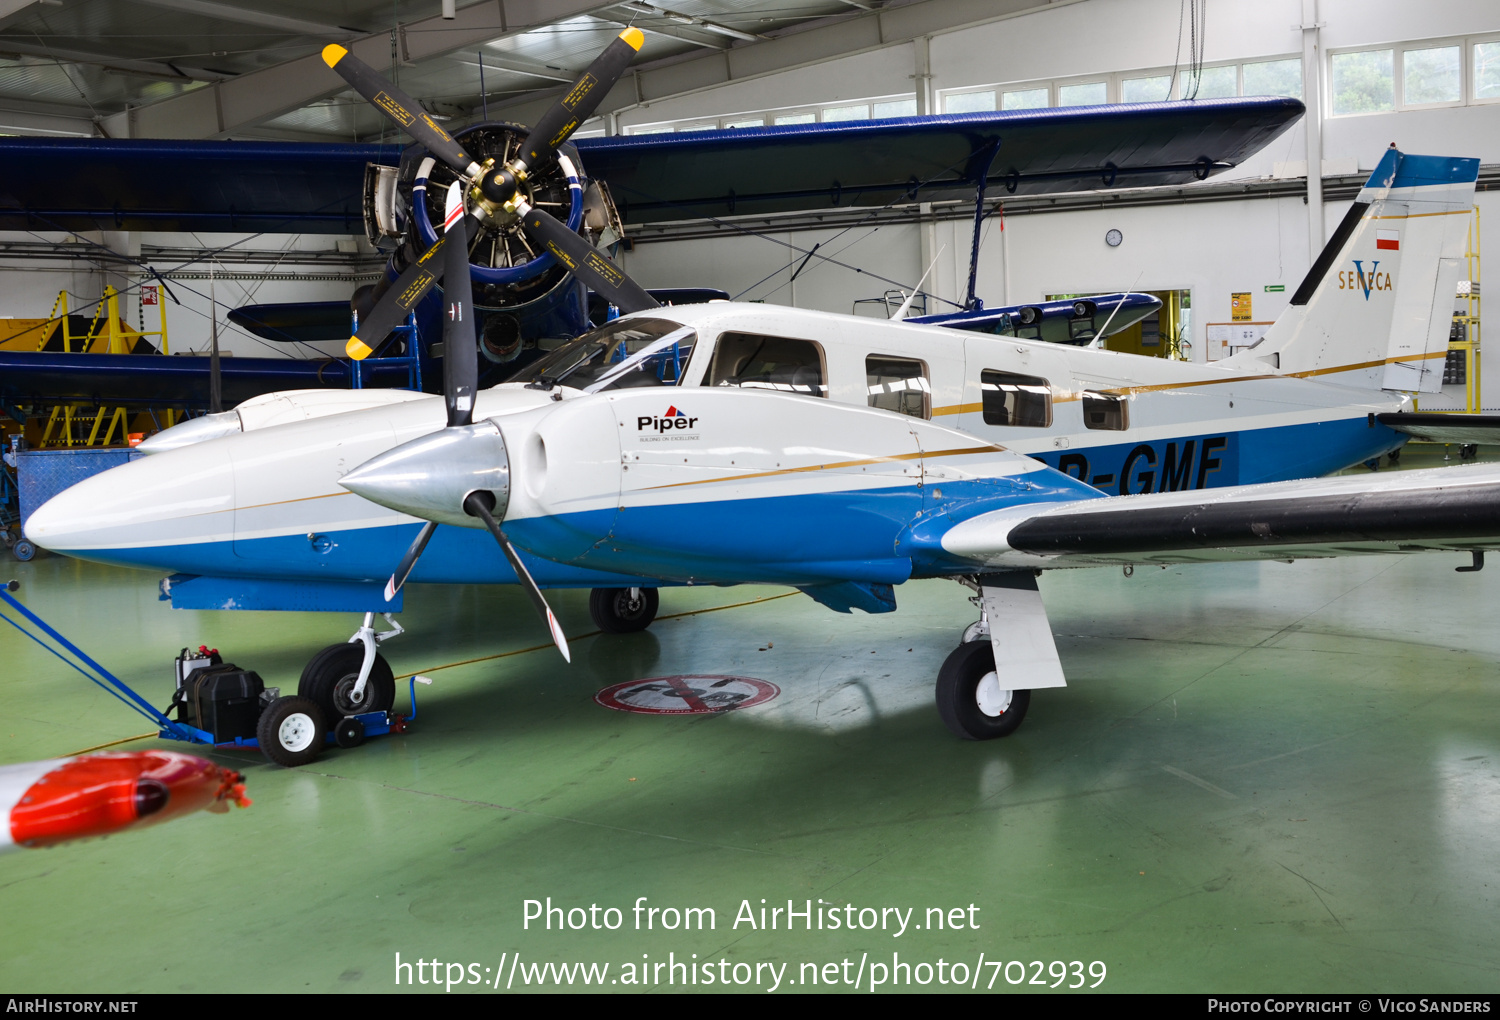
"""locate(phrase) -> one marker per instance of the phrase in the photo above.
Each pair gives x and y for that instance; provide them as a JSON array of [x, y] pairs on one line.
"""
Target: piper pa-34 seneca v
[[725, 444]]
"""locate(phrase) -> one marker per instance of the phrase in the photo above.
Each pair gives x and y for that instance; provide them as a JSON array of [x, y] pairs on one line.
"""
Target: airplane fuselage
[[267, 503]]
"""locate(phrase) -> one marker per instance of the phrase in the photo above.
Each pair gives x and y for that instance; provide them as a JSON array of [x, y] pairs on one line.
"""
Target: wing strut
[[981, 181]]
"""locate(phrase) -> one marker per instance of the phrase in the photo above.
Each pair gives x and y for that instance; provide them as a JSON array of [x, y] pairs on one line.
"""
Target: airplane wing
[[163, 381], [1438, 427], [1405, 511], [768, 169], [142, 184]]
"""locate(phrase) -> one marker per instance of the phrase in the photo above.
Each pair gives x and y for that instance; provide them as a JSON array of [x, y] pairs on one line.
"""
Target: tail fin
[[1377, 305]]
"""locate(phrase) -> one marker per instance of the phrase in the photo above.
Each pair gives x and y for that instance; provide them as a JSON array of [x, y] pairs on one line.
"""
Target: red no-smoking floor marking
[[687, 695]]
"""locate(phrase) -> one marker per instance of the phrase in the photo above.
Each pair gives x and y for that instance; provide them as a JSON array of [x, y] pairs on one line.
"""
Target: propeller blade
[[397, 302], [460, 352], [591, 265], [580, 101], [400, 108], [409, 561], [476, 504]]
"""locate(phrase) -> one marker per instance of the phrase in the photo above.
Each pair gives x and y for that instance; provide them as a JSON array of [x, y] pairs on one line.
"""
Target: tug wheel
[[23, 550], [330, 677], [618, 611], [970, 700], [290, 732]]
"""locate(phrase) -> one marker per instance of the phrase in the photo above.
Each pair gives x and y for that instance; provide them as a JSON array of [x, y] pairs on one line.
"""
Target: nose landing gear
[[352, 678]]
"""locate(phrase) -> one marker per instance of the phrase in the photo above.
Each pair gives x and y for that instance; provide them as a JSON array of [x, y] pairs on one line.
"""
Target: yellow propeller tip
[[333, 53], [635, 37], [356, 349]]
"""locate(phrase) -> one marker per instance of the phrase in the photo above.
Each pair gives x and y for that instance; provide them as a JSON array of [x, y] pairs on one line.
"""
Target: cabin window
[[1022, 401], [898, 384], [1104, 411], [768, 363]]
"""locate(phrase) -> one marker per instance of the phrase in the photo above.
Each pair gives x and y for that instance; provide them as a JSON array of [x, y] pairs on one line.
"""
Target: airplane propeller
[[460, 379], [495, 190]]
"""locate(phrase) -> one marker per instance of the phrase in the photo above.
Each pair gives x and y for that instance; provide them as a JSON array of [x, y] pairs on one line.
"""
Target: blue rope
[[142, 704], [73, 665]]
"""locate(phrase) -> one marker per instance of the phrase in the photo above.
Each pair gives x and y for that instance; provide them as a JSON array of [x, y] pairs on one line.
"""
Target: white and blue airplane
[[727, 443]]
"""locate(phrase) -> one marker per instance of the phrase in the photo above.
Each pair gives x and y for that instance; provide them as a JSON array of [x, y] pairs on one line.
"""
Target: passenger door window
[[768, 363], [1023, 401], [898, 384]]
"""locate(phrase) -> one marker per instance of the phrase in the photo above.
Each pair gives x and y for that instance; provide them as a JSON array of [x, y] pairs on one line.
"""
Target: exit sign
[[1275, 288]]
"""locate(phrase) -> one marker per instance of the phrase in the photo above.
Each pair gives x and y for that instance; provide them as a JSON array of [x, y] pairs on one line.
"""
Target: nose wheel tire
[[970, 699], [330, 677], [291, 732], [623, 610]]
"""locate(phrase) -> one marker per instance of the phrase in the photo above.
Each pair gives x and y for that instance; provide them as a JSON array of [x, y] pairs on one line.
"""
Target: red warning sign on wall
[[687, 695], [148, 294]]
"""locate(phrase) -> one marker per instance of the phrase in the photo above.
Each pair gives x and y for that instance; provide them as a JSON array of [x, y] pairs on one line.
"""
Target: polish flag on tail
[[49, 802], [1388, 240]]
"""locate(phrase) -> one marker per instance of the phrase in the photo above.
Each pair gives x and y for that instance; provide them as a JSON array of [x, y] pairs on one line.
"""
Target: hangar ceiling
[[251, 68]]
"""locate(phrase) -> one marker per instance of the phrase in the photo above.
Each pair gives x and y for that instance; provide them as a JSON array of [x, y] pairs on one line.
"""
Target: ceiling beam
[[259, 96], [260, 19], [846, 36], [36, 118], [659, 27], [497, 62], [147, 68]]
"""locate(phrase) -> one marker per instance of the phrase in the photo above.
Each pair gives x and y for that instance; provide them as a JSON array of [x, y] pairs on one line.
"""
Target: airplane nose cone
[[430, 477], [120, 515]]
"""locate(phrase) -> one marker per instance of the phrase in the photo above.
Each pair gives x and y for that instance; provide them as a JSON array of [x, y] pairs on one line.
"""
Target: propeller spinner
[[494, 190], [462, 474]]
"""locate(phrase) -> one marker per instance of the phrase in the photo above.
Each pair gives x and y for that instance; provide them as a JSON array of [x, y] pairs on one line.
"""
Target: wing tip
[[333, 53]]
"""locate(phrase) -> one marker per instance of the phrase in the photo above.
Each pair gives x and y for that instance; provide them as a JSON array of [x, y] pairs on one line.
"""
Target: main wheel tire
[[969, 697], [615, 612], [330, 677], [291, 731]]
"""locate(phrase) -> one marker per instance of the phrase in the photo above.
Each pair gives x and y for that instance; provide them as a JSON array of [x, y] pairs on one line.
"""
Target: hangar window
[[1104, 411], [969, 102], [896, 108], [898, 384], [1025, 99], [1487, 71], [1273, 78], [1155, 89], [838, 113], [1084, 93], [1219, 82], [1024, 401], [1431, 75], [768, 363], [1363, 82]]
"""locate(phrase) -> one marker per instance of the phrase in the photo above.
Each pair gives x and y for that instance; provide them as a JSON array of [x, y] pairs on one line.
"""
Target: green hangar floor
[[1268, 777]]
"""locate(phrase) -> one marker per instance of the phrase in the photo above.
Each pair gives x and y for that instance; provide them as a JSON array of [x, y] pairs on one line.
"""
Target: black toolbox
[[222, 699]]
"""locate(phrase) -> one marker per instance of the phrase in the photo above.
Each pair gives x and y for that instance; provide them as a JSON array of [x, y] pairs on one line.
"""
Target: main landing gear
[[623, 610], [984, 687], [352, 678]]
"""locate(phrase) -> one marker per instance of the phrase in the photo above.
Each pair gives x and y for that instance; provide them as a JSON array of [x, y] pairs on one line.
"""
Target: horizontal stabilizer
[[1436, 427]]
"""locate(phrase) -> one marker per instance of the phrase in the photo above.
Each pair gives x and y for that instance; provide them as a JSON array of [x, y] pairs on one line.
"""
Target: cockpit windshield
[[618, 355]]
